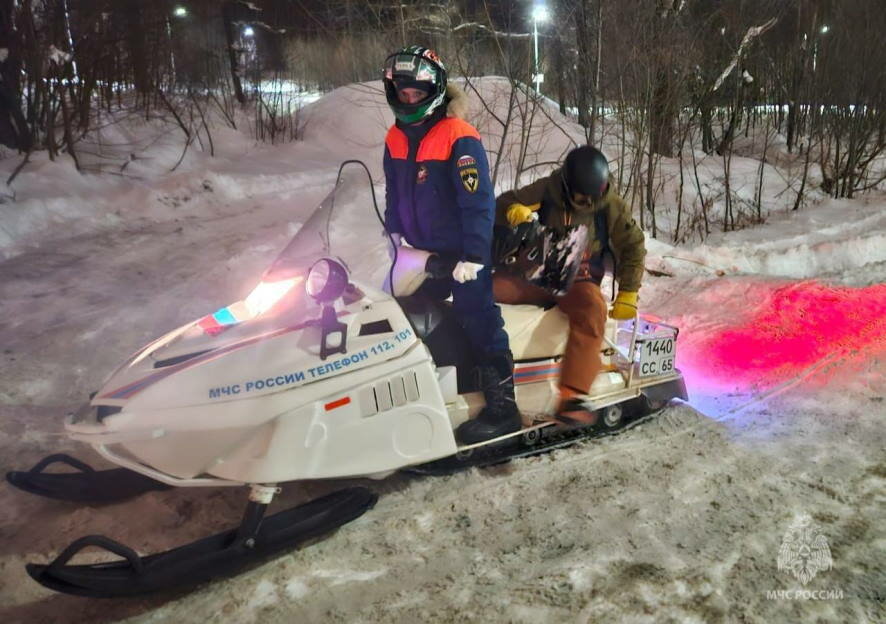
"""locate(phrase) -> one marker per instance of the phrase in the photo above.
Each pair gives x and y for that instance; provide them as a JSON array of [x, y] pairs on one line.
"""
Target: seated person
[[579, 193]]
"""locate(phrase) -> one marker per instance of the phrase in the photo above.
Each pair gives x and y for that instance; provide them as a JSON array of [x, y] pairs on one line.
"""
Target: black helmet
[[418, 68], [586, 171]]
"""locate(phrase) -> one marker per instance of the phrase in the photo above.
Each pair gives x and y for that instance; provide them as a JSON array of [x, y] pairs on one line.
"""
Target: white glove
[[466, 271], [398, 240]]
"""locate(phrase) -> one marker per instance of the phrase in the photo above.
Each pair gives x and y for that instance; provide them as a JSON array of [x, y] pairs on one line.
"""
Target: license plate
[[657, 357]]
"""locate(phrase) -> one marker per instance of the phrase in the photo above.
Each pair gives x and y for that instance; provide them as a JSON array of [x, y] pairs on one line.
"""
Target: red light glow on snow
[[793, 328]]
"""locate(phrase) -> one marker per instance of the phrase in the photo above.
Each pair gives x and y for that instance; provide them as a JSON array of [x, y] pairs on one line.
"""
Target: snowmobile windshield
[[344, 228]]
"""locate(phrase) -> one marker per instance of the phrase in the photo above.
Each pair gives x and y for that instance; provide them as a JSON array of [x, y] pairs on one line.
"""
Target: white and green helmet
[[414, 66]]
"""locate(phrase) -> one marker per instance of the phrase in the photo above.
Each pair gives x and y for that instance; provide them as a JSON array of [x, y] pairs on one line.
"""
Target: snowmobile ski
[[87, 485], [224, 554]]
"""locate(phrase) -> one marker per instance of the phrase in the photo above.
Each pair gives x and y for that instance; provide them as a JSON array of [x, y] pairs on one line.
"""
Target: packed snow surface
[[682, 518]]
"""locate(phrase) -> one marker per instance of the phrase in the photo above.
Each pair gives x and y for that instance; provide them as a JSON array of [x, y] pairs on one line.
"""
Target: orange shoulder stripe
[[398, 144], [437, 144]]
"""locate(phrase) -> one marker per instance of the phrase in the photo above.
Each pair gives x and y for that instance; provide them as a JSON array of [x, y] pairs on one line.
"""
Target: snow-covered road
[[679, 519]]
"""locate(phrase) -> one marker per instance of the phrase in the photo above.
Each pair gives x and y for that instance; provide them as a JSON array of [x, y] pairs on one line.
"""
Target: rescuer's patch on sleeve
[[466, 161], [467, 171], [470, 179]]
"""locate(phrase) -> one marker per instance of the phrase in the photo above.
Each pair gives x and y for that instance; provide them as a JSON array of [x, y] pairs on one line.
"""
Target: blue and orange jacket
[[438, 192]]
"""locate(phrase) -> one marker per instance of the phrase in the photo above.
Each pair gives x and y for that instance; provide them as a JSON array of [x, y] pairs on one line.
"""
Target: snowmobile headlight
[[327, 280]]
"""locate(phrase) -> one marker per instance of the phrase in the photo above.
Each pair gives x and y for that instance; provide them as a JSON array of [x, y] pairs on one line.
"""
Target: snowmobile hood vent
[[389, 393]]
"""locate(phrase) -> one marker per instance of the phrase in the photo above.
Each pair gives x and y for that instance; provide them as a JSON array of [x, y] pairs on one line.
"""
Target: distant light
[[723, 30], [540, 13], [825, 29], [248, 32], [180, 11]]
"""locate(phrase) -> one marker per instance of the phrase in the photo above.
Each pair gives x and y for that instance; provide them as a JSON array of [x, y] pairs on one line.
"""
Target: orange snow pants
[[586, 308]]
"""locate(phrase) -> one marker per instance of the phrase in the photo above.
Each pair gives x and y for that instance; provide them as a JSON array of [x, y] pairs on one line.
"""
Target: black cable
[[377, 212]]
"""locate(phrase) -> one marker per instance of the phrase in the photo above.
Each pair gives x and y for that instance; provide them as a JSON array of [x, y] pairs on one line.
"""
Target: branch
[[260, 24], [495, 33], [20, 166], [188, 137], [752, 33]]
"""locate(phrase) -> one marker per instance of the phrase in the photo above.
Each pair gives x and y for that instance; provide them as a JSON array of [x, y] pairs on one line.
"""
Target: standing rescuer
[[579, 193], [439, 198]]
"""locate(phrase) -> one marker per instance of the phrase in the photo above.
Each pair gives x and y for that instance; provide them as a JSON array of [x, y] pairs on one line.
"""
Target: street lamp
[[248, 32], [180, 11], [539, 14]]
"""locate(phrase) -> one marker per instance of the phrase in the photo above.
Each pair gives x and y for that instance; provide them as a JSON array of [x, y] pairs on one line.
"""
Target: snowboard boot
[[500, 416]]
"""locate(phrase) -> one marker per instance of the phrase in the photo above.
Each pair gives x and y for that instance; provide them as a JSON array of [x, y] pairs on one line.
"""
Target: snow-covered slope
[[679, 519]]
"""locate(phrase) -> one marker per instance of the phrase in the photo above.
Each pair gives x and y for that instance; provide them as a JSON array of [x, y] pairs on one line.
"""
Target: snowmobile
[[317, 374]]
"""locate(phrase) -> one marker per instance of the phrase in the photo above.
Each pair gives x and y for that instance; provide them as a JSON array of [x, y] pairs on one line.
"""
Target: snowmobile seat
[[540, 333], [535, 332]]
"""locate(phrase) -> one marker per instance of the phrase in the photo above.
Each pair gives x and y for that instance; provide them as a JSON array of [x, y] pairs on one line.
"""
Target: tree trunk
[[598, 95], [663, 109], [138, 53], [14, 131], [584, 74], [707, 130], [10, 69], [227, 17], [662, 114], [561, 73]]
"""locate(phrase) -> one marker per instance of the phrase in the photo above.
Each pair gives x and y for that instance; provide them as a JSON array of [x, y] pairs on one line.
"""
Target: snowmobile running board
[[224, 554], [85, 486], [537, 439]]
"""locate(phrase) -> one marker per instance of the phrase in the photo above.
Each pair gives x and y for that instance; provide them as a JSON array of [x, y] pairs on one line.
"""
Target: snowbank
[[840, 239]]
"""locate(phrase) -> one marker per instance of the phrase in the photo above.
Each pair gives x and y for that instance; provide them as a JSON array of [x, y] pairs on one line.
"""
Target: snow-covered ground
[[679, 519]]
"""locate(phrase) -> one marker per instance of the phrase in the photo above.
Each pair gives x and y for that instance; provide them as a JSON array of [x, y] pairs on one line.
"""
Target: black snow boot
[[500, 416]]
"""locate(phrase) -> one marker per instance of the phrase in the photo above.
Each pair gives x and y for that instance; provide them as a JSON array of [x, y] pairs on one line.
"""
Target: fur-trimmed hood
[[457, 105]]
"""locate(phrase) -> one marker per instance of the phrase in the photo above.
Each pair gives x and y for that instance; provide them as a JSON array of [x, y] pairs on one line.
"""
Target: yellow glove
[[625, 306], [519, 213]]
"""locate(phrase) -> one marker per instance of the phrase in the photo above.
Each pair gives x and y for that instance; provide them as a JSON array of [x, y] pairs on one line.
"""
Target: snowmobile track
[[527, 443]]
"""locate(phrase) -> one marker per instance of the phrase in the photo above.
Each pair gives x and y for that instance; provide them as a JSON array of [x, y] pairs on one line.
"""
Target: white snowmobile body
[[260, 392]]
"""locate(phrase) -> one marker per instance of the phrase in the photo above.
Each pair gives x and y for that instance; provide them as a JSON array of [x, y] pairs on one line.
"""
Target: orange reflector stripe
[[337, 403]]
